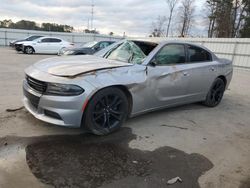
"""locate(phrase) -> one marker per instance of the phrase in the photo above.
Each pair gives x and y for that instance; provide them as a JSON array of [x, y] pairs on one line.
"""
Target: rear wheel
[[106, 111], [61, 51], [216, 93], [29, 50]]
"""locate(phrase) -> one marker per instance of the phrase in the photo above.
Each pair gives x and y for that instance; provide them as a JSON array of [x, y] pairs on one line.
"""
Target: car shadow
[[87, 160]]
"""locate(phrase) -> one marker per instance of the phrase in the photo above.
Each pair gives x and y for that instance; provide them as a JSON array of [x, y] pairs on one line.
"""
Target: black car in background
[[87, 48], [17, 44], [30, 38]]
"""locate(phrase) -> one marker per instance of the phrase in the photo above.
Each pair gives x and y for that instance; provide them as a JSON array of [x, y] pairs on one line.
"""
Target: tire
[[29, 50], [215, 94], [106, 111], [61, 51]]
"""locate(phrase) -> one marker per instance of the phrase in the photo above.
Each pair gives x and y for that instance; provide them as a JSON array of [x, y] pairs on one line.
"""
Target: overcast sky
[[131, 16]]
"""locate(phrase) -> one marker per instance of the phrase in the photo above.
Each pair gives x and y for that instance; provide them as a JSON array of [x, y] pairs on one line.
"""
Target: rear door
[[55, 45], [203, 71]]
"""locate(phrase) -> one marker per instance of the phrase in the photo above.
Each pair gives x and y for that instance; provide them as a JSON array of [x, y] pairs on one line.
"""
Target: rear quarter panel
[[225, 68]]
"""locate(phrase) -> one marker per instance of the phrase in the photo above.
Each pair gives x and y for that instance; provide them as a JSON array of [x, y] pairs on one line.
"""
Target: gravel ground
[[205, 147]]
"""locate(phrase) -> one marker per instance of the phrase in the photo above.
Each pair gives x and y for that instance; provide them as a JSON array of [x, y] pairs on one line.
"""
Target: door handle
[[212, 69], [185, 74]]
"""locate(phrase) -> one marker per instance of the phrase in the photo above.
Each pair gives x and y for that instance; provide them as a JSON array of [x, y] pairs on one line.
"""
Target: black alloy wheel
[[106, 111], [216, 93]]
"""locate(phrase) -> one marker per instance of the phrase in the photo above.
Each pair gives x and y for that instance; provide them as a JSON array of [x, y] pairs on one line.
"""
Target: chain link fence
[[7, 35]]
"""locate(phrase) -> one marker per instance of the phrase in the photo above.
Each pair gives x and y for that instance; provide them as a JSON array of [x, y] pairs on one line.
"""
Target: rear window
[[196, 54]]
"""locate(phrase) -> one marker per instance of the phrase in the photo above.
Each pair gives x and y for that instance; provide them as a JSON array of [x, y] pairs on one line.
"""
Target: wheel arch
[[30, 47], [223, 78], [123, 88]]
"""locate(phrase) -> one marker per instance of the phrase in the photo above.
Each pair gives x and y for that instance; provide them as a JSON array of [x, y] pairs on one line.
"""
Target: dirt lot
[[206, 147]]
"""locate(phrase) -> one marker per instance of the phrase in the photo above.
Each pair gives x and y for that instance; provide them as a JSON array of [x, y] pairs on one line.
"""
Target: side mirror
[[153, 62], [38, 41]]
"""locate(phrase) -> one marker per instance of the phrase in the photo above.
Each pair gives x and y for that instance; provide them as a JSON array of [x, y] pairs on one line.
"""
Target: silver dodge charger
[[128, 78]]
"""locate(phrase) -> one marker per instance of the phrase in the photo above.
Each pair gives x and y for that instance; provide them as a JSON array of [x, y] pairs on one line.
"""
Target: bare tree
[[226, 17], [238, 12], [211, 8], [158, 26], [186, 16], [171, 5]]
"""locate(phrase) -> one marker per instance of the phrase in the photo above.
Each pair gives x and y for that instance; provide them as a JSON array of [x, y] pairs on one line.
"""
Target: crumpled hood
[[75, 65]]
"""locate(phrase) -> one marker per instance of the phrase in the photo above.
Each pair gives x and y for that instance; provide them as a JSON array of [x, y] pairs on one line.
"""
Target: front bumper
[[58, 110], [18, 47]]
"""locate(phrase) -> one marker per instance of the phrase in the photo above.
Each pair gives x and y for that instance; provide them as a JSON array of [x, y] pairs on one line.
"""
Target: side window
[[196, 54], [45, 40], [55, 40], [171, 54]]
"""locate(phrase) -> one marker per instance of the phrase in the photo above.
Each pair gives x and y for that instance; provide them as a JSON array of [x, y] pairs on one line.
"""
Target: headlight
[[63, 90]]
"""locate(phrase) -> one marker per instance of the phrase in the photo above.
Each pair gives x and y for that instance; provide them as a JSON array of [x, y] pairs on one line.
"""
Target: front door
[[168, 76]]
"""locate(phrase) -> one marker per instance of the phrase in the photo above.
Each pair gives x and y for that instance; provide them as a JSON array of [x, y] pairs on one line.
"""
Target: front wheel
[[106, 111], [29, 50], [215, 94]]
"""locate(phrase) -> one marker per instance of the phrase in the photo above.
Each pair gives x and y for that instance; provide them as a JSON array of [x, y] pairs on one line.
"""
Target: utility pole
[[92, 14]]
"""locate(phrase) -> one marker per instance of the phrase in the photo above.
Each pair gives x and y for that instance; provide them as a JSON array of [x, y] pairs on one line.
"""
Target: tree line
[[31, 25], [220, 18]]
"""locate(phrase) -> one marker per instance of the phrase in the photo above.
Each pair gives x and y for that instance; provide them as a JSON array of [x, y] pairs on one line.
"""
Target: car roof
[[152, 40], [50, 37], [168, 41], [104, 41], [35, 35]]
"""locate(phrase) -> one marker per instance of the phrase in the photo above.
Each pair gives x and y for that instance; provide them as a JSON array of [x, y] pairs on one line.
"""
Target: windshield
[[127, 52], [31, 38], [89, 44]]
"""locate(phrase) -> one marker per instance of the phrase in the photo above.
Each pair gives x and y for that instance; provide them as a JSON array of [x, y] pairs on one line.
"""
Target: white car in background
[[45, 45]]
